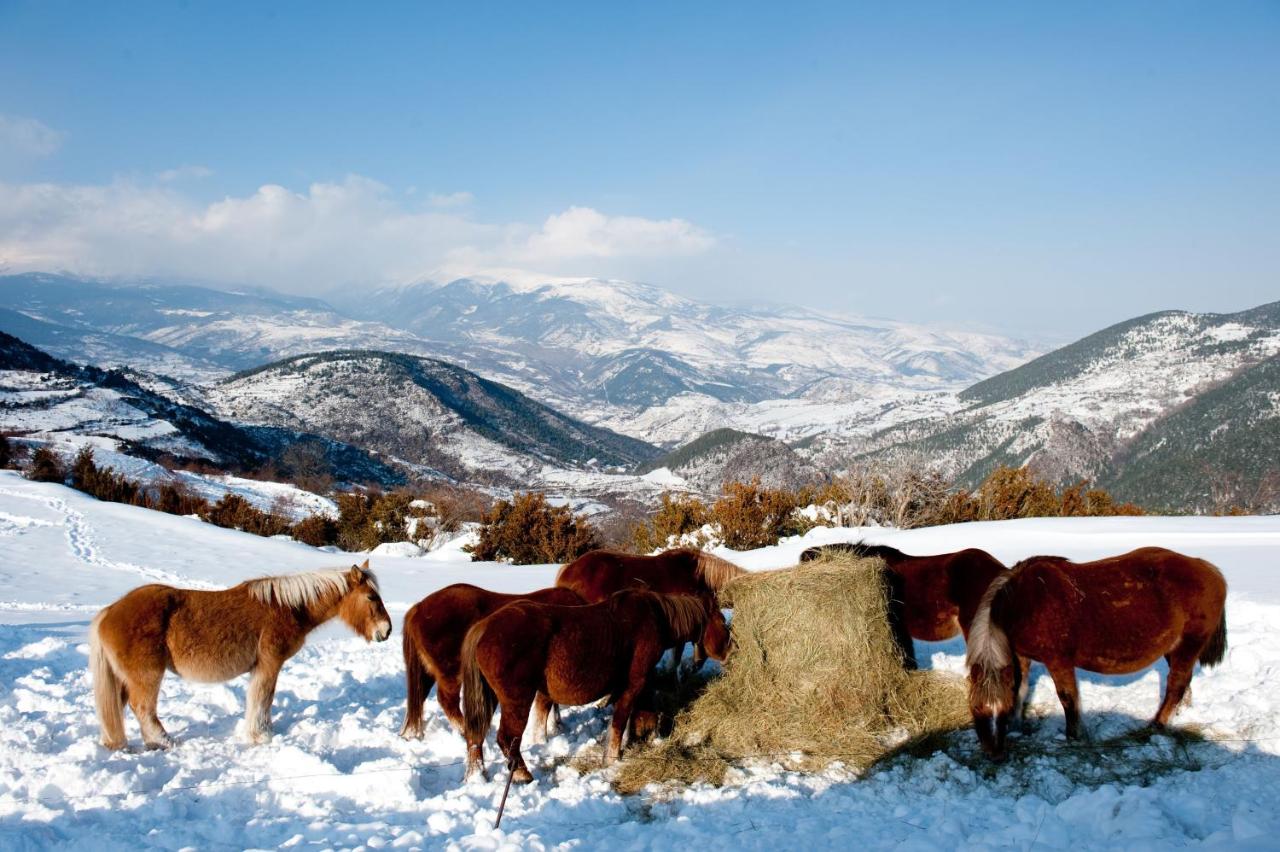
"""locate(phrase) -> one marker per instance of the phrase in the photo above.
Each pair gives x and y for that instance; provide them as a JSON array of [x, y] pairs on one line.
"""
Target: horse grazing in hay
[[213, 636], [573, 655], [596, 575], [434, 628], [932, 598], [1112, 616]]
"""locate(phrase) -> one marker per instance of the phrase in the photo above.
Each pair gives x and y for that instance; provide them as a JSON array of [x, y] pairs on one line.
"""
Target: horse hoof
[[522, 776], [163, 744], [411, 733], [113, 745]]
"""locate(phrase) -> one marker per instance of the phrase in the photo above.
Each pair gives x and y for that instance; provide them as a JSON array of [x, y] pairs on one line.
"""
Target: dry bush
[[316, 530], [175, 498], [367, 519], [678, 515], [45, 466], [527, 530], [453, 506], [814, 677], [6, 451], [105, 483], [236, 513], [750, 516]]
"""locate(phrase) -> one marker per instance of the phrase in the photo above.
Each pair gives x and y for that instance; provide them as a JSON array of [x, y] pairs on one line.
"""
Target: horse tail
[[478, 699], [989, 650], [1217, 647], [418, 681], [108, 688]]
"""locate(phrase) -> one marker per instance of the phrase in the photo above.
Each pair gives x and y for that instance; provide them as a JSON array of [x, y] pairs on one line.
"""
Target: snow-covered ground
[[337, 775]]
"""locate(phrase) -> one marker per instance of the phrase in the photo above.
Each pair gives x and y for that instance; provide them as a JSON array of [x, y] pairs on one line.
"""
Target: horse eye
[[373, 597]]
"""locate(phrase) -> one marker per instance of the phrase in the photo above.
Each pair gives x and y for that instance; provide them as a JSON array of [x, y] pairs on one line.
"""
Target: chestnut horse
[[573, 655], [683, 571], [434, 628], [1112, 616], [213, 636], [939, 594]]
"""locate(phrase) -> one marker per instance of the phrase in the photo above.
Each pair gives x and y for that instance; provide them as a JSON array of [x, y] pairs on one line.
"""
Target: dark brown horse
[[940, 594], [683, 571], [1112, 616], [212, 636], [573, 655], [434, 628]]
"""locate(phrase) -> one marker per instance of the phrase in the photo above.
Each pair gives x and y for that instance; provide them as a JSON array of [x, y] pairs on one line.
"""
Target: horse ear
[[355, 575], [365, 564]]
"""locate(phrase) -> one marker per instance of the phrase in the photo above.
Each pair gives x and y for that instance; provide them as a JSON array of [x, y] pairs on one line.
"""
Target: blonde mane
[[306, 589], [716, 572], [686, 614]]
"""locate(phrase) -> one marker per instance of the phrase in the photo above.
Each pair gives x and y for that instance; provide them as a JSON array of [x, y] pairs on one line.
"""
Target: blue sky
[[1033, 168]]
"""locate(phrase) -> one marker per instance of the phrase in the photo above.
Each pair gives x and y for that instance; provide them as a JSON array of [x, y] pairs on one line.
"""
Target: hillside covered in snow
[[337, 774]]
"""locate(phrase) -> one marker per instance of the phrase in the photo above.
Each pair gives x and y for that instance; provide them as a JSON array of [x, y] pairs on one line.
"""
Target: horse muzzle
[[382, 633]]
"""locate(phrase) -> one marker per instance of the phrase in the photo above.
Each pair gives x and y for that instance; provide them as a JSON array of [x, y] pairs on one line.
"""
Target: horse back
[[596, 575]]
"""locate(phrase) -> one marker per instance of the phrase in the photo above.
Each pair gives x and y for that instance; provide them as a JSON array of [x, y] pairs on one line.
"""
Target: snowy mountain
[[633, 346], [727, 455], [47, 398], [600, 350], [1174, 398], [427, 413]]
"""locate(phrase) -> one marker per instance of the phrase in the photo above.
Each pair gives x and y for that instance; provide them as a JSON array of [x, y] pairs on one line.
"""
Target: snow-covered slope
[[46, 398], [423, 411], [337, 775], [1100, 408]]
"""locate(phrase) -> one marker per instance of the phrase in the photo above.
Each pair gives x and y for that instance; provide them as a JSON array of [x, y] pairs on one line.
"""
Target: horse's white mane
[[716, 572], [303, 590], [988, 644]]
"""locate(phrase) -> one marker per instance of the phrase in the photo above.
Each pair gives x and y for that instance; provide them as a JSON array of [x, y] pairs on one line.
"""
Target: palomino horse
[[683, 571], [215, 636], [1112, 616], [573, 655], [434, 628], [940, 594]]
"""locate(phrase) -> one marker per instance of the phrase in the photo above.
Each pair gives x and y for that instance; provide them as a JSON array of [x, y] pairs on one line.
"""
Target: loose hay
[[814, 678]]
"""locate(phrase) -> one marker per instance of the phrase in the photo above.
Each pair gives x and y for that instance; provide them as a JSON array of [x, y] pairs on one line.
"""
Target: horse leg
[[143, 692], [1064, 678], [1024, 689], [541, 710], [1182, 661], [449, 694], [515, 714], [257, 708]]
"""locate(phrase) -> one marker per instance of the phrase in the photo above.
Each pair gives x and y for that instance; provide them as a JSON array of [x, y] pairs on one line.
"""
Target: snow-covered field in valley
[[337, 775]]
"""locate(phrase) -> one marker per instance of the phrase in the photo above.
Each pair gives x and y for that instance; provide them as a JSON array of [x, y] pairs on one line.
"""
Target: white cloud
[[351, 232], [581, 232], [451, 199], [26, 138]]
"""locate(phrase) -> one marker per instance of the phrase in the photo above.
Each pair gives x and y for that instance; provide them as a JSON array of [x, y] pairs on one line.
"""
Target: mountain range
[[582, 385]]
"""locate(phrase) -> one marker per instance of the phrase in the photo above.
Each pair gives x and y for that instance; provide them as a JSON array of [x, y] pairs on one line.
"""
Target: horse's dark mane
[[861, 549]]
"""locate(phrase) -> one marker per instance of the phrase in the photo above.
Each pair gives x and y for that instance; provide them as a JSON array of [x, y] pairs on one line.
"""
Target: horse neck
[[320, 611], [968, 581]]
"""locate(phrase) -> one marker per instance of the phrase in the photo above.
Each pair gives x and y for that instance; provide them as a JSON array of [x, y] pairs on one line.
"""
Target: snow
[[337, 775]]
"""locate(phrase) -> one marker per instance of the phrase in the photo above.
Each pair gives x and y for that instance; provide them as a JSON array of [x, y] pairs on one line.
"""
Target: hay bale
[[814, 678]]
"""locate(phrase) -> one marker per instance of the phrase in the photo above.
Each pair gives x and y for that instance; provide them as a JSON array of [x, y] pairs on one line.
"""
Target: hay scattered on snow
[[814, 678]]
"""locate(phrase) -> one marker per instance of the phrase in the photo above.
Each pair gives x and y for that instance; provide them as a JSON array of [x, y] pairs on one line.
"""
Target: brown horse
[[213, 636], [434, 628], [939, 594], [1112, 616], [596, 575], [573, 655]]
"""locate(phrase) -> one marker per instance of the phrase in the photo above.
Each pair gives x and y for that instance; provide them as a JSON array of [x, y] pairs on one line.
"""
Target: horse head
[[716, 637], [361, 607]]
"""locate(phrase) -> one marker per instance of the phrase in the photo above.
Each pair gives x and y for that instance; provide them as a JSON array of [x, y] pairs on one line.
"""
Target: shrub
[[175, 498], [751, 516], [46, 467], [236, 513], [316, 530], [6, 451], [367, 519], [678, 515], [528, 530], [105, 483]]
